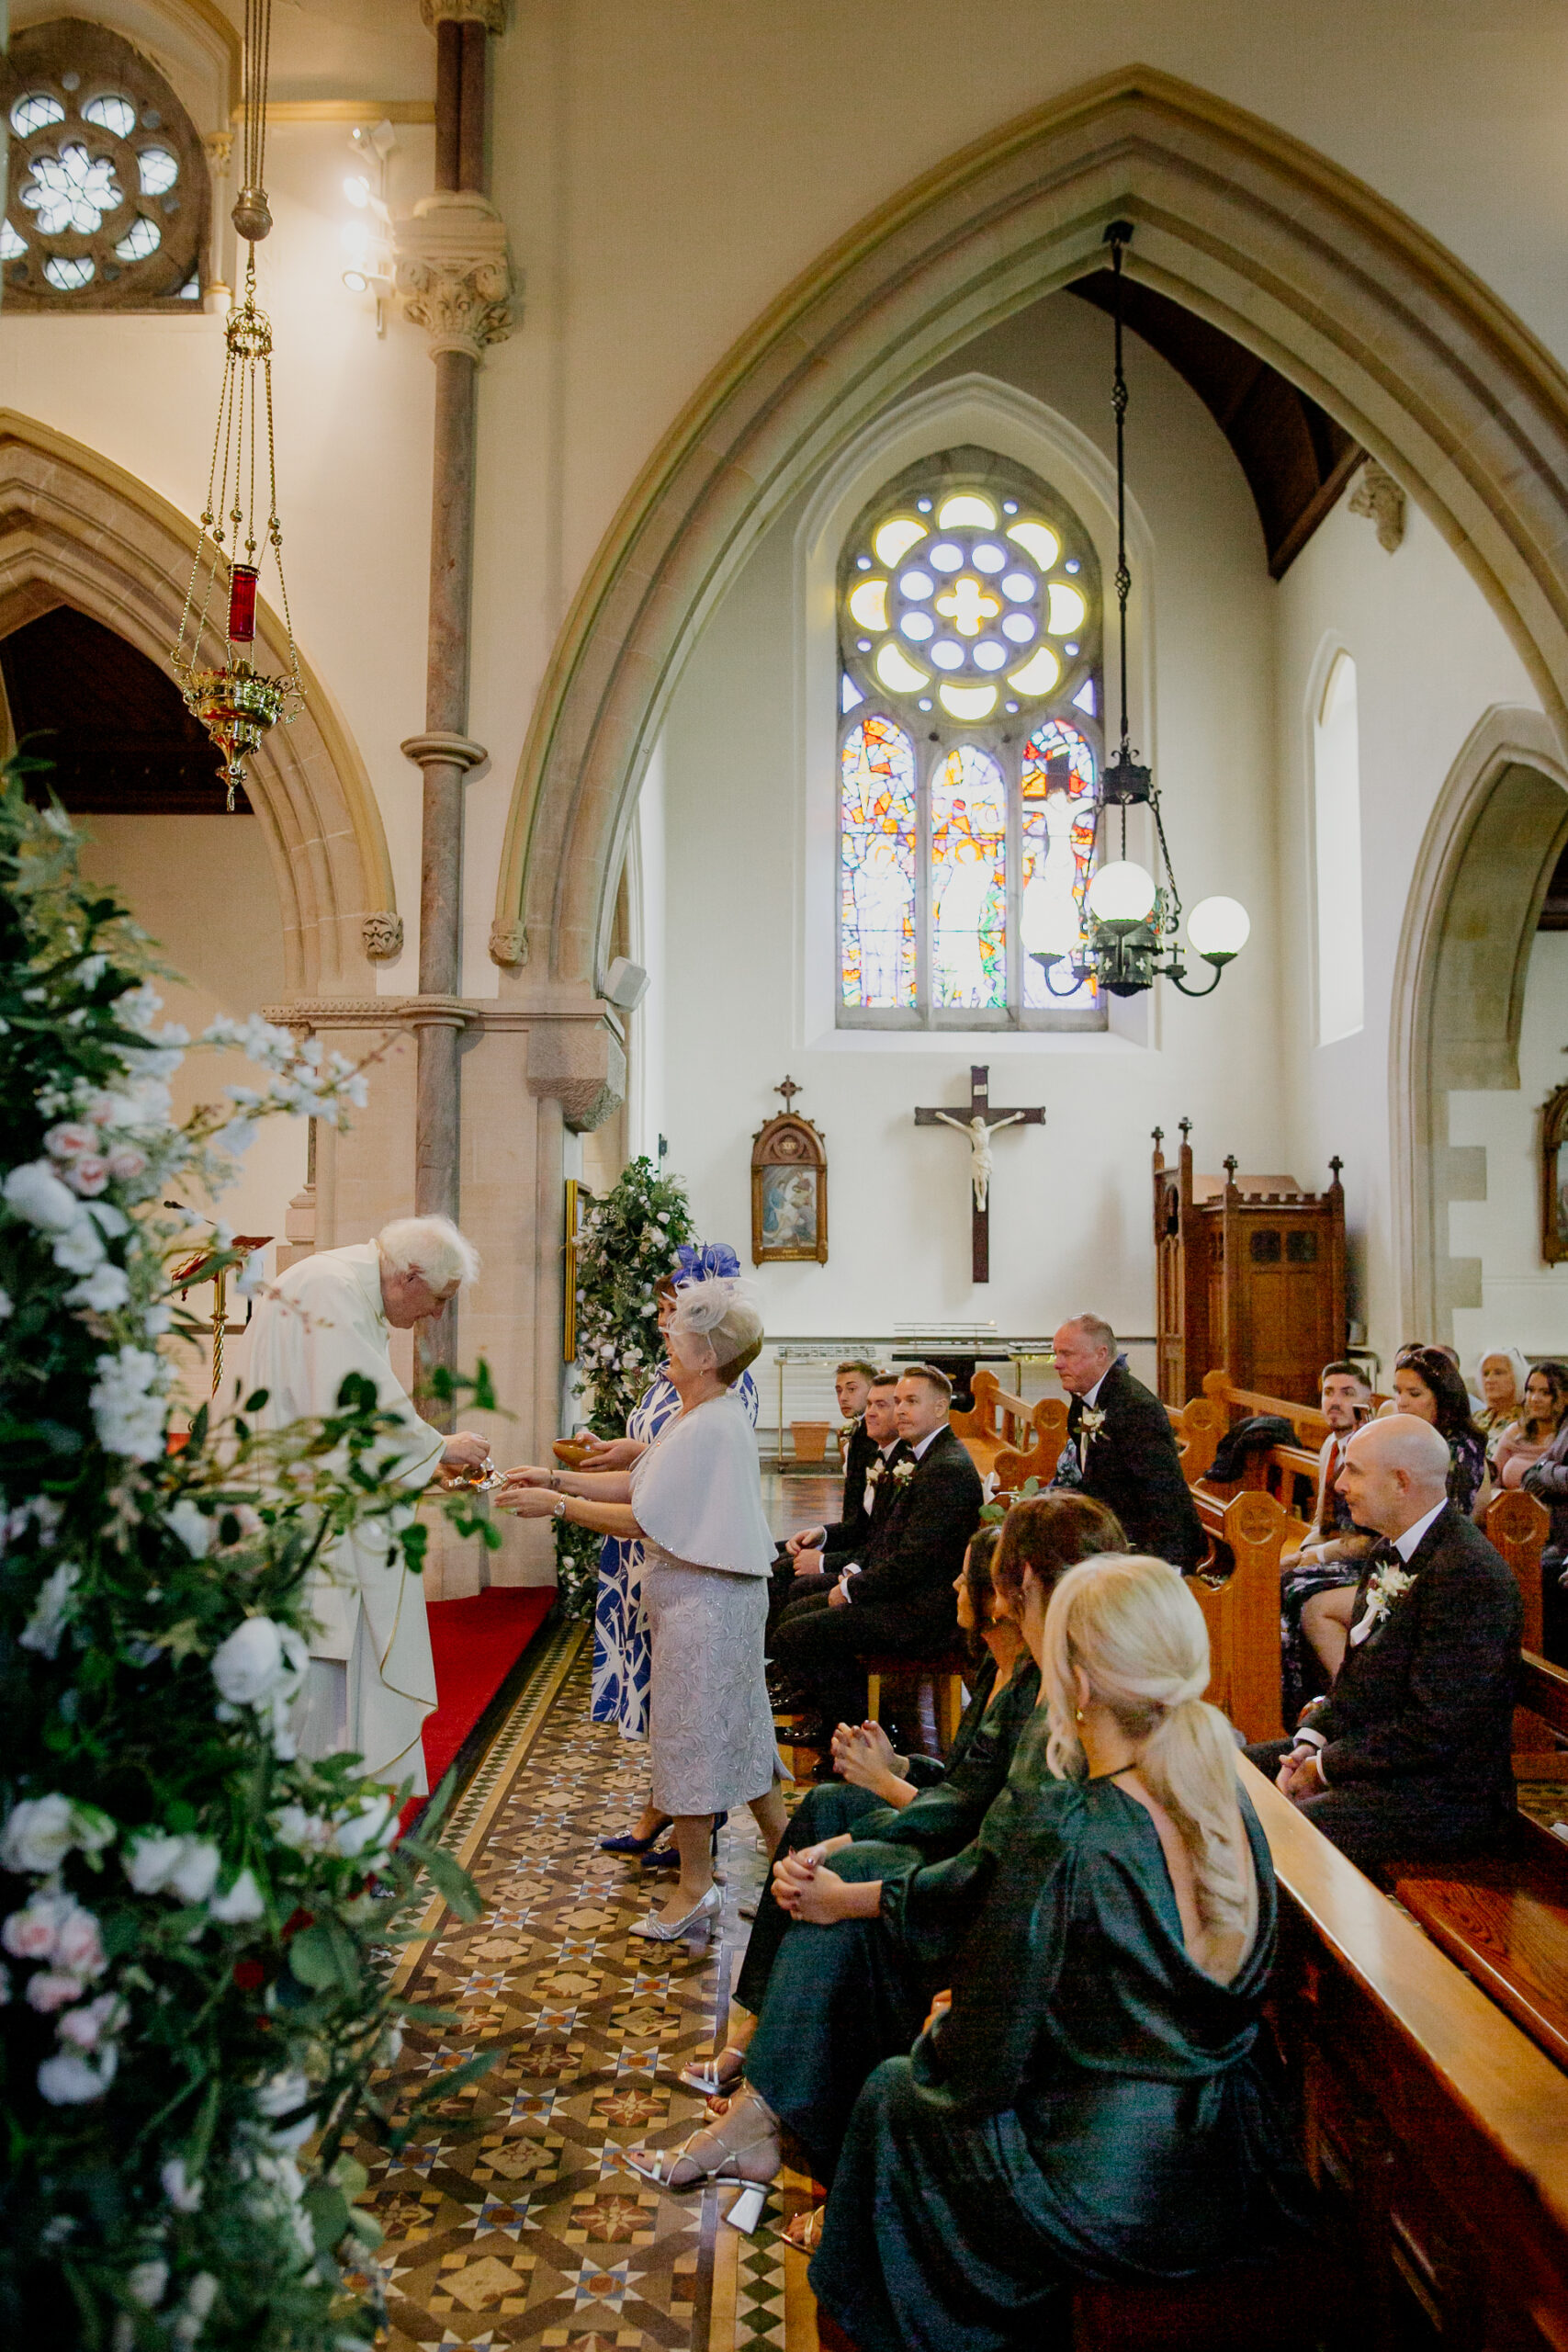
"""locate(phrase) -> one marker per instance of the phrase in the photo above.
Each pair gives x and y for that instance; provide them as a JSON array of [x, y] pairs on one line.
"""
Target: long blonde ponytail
[[1139, 1636]]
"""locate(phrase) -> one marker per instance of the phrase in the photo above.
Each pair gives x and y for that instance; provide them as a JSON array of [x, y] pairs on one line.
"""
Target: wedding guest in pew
[[1408, 1757], [1548, 1481], [1330, 1560], [1099, 2099], [1121, 1447], [1522, 1442], [898, 1596], [843, 1979], [813, 1560], [1428, 1387], [1501, 1375]]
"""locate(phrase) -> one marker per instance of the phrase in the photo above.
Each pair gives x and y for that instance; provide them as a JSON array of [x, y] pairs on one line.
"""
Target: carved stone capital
[[440, 750], [1377, 494], [490, 14], [452, 276], [508, 944], [582, 1065], [219, 147], [383, 936]]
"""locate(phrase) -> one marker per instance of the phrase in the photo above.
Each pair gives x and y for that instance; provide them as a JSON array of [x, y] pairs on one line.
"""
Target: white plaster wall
[[1524, 1301], [1430, 659], [1069, 1205]]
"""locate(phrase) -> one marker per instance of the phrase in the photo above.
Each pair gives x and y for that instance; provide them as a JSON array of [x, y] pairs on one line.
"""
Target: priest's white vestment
[[371, 1680]]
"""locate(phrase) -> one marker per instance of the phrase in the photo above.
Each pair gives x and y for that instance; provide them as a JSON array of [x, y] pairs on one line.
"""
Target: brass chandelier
[[237, 704], [1132, 917]]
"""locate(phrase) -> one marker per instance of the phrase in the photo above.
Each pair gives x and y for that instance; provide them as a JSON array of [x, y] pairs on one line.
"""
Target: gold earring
[[1078, 1717]]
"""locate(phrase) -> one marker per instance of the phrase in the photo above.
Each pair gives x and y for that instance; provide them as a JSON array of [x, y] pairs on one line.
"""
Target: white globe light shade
[[1121, 892], [1049, 926], [1218, 927]]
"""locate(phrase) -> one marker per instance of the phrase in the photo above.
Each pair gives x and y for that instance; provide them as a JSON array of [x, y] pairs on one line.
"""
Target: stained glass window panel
[[876, 867], [968, 881], [1057, 783]]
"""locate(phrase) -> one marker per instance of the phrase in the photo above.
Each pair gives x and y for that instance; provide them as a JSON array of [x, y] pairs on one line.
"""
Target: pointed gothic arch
[[1288, 253], [76, 529]]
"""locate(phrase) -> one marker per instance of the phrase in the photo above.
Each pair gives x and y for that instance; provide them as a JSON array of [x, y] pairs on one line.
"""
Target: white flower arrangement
[[1389, 1582]]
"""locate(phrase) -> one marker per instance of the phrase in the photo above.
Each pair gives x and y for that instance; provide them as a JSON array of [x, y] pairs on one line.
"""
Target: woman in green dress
[[1094, 2102], [834, 1983]]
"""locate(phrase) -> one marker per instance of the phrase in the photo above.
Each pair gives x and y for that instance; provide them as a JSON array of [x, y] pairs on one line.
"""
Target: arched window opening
[[108, 195], [1337, 818], [112, 725], [970, 699]]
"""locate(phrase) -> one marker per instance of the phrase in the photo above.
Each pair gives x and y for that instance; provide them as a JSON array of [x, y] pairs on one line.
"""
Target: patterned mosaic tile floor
[[513, 2221]]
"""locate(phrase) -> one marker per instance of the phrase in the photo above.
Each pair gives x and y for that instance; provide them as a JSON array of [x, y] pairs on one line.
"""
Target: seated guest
[[853, 1383], [1409, 1755], [1522, 1442], [815, 1558], [1121, 1448], [898, 1596], [1330, 1560], [1099, 2099], [1501, 1374], [834, 1978], [1548, 1481], [1428, 1387]]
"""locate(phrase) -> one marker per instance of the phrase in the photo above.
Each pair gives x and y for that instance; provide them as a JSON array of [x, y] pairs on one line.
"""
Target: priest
[[371, 1679]]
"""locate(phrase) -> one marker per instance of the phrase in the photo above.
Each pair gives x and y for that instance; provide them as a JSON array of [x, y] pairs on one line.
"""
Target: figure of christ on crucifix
[[977, 1130]]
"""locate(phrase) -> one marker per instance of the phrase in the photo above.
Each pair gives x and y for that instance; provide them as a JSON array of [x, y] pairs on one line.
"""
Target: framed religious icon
[[1555, 1178], [789, 1192]]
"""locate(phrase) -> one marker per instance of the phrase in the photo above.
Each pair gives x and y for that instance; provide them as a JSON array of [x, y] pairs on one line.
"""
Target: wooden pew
[[1238, 1590], [1004, 1434], [1198, 1427], [1437, 2131]]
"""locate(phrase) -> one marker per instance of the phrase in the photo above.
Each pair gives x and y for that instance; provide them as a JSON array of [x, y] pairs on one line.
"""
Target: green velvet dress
[[953, 1799], [838, 2000], [1092, 2105]]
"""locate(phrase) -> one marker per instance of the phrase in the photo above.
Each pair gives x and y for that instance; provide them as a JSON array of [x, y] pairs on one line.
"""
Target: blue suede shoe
[[630, 1845]]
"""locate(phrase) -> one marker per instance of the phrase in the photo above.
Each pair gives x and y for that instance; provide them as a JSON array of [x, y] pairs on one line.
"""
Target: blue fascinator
[[702, 1261]]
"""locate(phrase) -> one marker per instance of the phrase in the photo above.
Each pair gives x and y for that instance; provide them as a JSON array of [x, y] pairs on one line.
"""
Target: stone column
[[453, 280]]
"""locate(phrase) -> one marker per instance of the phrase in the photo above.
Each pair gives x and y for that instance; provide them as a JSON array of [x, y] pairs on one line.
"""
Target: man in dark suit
[[898, 1595], [1121, 1446], [815, 1559], [1408, 1755]]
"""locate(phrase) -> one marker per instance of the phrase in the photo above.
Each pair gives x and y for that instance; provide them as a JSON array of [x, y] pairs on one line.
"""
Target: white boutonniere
[[1388, 1584], [1091, 1422], [877, 1472], [903, 1472]]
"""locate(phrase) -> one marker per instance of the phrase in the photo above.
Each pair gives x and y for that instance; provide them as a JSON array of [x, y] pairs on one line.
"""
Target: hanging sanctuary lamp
[[1132, 917], [237, 704]]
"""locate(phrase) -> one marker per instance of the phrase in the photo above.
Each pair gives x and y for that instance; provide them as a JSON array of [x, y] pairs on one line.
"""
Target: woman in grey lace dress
[[695, 1499]]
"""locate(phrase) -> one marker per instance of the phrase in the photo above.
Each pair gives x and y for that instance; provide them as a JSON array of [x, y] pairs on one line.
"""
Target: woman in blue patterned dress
[[621, 1652]]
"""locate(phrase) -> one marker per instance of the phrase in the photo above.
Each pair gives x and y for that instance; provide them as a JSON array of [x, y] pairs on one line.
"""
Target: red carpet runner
[[476, 1643]]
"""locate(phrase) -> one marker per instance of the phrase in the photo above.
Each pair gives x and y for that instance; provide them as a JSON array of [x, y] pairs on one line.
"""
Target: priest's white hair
[[723, 1312], [431, 1246]]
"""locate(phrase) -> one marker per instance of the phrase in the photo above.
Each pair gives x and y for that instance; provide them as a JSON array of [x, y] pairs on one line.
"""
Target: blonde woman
[[1094, 2100]]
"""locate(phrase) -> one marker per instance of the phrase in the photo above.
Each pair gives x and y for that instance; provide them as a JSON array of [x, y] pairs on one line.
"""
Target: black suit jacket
[[919, 1548], [1131, 1465], [1426, 1701], [852, 1525], [846, 1542]]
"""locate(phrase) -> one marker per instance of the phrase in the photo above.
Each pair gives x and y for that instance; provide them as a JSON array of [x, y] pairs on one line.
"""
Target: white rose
[[70, 2080], [282, 2093], [51, 1610], [196, 1873], [147, 2283], [304, 1833], [87, 2028], [150, 1859], [183, 2193], [105, 1290], [79, 1945], [192, 1526], [35, 1194], [250, 1662], [367, 1827], [240, 1904], [51, 1989], [39, 1835], [78, 1252]]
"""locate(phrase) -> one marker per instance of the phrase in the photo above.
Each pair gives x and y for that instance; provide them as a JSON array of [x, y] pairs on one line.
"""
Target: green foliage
[[993, 1513], [197, 1926], [628, 1243]]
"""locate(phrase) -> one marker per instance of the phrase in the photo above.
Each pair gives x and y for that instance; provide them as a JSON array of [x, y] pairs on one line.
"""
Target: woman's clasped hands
[[816, 1896]]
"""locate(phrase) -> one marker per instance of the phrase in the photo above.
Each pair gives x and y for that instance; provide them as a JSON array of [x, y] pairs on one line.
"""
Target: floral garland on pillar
[[627, 1244], [195, 1924]]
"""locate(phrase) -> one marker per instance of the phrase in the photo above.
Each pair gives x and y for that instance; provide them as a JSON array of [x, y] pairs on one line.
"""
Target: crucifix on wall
[[977, 1130]]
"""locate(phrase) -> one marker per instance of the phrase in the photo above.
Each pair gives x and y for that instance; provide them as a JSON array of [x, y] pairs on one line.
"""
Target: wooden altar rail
[[1437, 2132]]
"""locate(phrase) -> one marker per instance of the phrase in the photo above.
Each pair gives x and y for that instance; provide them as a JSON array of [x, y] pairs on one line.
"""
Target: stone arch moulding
[[1297, 259], [76, 529], [1493, 839]]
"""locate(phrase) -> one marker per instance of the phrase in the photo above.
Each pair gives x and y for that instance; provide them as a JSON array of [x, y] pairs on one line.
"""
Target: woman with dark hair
[[1522, 1441], [1430, 1386], [847, 1978]]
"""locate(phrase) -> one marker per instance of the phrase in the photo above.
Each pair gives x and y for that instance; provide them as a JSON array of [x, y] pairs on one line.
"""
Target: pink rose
[[70, 1139], [30, 1934], [87, 2027], [88, 1175], [127, 1164], [79, 1946], [51, 1989]]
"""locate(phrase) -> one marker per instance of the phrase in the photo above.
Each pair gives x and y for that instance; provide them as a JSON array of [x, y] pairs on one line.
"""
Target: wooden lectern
[[1251, 1278]]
